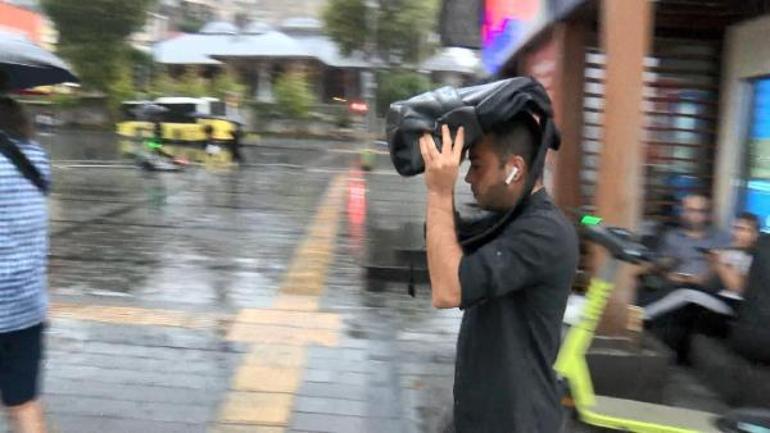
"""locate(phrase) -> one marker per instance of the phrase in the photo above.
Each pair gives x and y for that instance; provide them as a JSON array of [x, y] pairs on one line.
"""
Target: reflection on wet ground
[[233, 300]]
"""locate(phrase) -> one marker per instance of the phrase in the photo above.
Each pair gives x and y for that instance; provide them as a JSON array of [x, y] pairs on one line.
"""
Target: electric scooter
[[623, 414]]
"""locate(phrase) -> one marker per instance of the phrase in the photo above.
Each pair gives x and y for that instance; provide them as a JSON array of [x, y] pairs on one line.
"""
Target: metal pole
[[372, 7], [626, 30]]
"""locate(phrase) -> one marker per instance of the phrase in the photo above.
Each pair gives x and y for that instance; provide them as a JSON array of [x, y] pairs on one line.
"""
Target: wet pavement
[[234, 300]]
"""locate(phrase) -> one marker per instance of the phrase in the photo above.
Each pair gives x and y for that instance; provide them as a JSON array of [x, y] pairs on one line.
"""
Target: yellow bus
[[181, 122]]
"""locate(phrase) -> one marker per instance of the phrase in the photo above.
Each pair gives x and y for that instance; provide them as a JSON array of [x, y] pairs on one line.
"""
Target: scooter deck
[[638, 416]]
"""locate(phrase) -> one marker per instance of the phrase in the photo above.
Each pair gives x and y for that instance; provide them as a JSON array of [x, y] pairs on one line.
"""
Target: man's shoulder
[[32, 146], [29, 147], [547, 221], [676, 232]]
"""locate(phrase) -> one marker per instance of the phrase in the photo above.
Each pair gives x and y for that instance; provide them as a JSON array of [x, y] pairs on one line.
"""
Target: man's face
[[487, 176], [745, 234], [695, 212]]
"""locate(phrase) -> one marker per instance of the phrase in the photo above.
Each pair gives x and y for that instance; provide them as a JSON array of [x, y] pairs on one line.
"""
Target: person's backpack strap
[[22, 163]]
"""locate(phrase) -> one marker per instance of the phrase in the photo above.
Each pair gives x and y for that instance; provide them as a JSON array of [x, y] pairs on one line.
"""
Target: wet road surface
[[233, 300]]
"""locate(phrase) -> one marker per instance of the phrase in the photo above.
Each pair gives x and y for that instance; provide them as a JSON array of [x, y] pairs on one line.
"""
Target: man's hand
[[444, 252], [685, 279], [442, 168]]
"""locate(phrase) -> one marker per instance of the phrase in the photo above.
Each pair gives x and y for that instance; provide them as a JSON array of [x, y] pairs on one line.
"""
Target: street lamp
[[369, 76]]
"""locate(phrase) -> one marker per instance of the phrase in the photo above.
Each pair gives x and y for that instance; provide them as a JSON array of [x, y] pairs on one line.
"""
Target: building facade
[[260, 53], [17, 19], [654, 99]]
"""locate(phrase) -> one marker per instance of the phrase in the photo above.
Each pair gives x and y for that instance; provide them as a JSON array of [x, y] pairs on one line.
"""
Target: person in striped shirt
[[23, 277]]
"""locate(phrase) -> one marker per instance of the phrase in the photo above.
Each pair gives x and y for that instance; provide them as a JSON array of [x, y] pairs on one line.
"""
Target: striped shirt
[[23, 242]]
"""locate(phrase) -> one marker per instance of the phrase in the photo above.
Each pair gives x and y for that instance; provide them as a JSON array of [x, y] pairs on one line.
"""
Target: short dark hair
[[749, 217], [14, 120], [518, 136]]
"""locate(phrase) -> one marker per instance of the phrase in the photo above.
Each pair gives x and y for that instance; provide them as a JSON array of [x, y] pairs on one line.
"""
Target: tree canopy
[[396, 30], [93, 35]]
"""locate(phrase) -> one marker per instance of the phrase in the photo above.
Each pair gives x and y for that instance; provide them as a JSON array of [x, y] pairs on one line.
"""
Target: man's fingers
[[446, 140], [428, 148], [457, 148], [426, 156], [431, 145]]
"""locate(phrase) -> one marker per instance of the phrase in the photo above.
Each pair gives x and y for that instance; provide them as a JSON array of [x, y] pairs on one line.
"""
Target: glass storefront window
[[756, 191]]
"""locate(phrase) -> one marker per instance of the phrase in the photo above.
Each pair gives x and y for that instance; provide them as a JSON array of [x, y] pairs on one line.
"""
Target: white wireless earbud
[[513, 175]]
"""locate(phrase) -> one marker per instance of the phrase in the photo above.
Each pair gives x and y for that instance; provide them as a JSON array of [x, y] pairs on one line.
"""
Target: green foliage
[[92, 36], [343, 118], [65, 100], [344, 21], [187, 84], [162, 85], [294, 95], [97, 64], [120, 89], [190, 25], [191, 21], [109, 22], [263, 111], [403, 27], [226, 84], [398, 85], [191, 84], [142, 64]]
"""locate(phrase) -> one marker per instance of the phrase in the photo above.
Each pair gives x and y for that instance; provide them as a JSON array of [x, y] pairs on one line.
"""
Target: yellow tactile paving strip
[[263, 387]]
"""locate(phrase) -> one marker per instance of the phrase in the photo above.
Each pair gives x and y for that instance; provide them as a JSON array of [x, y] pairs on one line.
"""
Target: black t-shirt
[[514, 291]]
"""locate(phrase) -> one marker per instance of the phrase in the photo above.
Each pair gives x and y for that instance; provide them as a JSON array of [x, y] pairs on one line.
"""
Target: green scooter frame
[[608, 412]]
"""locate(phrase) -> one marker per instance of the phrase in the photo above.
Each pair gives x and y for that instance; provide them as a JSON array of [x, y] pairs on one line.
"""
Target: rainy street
[[234, 300]]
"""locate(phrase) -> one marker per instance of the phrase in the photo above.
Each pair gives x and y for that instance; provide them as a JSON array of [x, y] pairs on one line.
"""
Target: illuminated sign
[[506, 25]]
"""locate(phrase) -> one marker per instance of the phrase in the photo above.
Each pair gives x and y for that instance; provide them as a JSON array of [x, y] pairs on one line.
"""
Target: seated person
[[707, 308], [725, 280], [683, 263], [732, 265]]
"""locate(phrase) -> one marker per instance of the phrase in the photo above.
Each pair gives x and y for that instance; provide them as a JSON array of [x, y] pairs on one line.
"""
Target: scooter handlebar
[[619, 242]]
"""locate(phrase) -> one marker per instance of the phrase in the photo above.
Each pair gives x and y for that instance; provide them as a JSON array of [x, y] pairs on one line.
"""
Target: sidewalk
[[231, 302]]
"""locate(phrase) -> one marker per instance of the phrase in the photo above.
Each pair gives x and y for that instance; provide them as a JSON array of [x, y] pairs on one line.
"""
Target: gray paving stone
[[147, 411], [139, 393], [65, 423], [221, 367], [328, 423], [331, 390], [342, 378], [329, 406], [128, 377]]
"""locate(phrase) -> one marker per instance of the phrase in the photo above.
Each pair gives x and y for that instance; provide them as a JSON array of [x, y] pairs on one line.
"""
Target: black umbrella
[[26, 65], [233, 119], [147, 111]]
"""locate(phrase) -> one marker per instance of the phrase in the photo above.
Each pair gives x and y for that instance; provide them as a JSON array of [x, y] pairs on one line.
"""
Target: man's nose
[[468, 177]]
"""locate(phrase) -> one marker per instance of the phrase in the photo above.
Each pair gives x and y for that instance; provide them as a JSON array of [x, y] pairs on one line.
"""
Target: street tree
[[397, 31], [93, 37], [294, 95]]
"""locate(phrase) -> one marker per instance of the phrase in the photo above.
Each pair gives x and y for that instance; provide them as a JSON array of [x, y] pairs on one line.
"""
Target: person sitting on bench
[[710, 308], [725, 281], [684, 244]]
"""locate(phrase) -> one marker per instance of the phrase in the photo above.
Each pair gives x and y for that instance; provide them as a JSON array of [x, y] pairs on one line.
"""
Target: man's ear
[[514, 169]]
